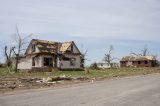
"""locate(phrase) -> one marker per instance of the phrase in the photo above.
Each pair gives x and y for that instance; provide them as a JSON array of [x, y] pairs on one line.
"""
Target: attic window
[[68, 51], [33, 48]]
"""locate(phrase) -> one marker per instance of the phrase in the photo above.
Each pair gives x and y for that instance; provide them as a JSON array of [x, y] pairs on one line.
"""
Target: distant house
[[103, 65], [106, 65], [42, 54], [138, 61]]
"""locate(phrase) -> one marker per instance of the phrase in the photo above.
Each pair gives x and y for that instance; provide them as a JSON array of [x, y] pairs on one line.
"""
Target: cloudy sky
[[92, 24]]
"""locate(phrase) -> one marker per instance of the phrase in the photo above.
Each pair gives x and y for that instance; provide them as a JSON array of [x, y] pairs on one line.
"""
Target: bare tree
[[108, 56], [20, 46], [84, 58], [135, 54], [8, 56], [145, 52]]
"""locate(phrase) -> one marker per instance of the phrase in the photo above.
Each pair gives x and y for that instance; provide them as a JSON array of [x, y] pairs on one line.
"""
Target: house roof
[[65, 46], [43, 41], [46, 46], [138, 58]]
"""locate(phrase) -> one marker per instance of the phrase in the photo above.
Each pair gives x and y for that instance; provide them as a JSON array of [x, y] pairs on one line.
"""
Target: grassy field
[[24, 80], [107, 73]]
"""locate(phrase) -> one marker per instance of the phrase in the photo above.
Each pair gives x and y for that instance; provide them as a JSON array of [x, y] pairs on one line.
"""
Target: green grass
[[107, 73]]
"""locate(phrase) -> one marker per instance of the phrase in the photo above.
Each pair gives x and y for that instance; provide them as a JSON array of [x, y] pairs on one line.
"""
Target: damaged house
[[138, 61], [42, 54]]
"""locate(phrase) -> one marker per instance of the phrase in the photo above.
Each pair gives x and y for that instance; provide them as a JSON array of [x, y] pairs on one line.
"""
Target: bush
[[157, 63], [94, 66], [2, 65]]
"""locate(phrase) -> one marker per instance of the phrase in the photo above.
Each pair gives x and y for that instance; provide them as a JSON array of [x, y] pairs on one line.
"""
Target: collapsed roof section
[[51, 47]]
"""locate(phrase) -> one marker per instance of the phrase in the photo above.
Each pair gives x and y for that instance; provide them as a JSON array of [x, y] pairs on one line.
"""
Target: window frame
[[73, 61], [48, 61], [33, 62], [139, 62], [33, 48], [146, 62]]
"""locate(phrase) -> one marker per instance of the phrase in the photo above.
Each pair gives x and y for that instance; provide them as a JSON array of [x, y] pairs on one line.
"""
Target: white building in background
[[106, 65]]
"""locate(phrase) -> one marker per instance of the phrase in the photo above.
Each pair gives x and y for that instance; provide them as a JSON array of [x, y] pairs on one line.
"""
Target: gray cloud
[[127, 19]]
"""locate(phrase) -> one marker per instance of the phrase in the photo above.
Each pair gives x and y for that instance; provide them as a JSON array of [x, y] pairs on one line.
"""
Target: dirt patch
[[15, 83]]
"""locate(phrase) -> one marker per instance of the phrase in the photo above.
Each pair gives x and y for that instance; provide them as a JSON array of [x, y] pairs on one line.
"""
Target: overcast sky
[[95, 24]]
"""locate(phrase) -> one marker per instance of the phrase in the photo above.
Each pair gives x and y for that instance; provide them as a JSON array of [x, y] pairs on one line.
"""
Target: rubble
[[9, 83]]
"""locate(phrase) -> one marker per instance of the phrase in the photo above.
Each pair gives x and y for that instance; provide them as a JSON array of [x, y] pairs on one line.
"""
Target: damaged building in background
[[42, 54], [138, 61]]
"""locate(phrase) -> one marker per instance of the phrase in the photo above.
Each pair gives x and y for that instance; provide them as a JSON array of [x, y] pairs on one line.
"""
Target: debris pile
[[12, 83]]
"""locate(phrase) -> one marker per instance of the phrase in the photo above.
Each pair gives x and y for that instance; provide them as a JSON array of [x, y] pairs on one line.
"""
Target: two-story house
[[42, 54]]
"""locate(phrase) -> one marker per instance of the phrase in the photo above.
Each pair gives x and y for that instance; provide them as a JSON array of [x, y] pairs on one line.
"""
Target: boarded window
[[73, 61], [48, 61], [33, 61]]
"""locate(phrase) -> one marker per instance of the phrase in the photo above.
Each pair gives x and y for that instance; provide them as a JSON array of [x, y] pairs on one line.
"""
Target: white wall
[[74, 49], [29, 51], [25, 63], [67, 65], [103, 65]]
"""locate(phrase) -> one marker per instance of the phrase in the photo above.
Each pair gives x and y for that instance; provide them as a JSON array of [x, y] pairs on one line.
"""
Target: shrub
[[157, 63], [94, 66]]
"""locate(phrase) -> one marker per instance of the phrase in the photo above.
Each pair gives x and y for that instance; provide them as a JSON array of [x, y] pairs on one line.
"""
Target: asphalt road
[[129, 91]]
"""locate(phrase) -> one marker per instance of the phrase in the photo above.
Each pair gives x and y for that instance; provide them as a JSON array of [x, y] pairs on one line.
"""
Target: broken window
[[65, 58], [146, 62], [139, 62], [33, 61], [73, 61], [123, 62], [33, 48], [48, 61]]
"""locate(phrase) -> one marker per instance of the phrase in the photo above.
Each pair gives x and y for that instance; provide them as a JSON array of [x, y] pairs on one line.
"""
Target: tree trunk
[[16, 65]]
